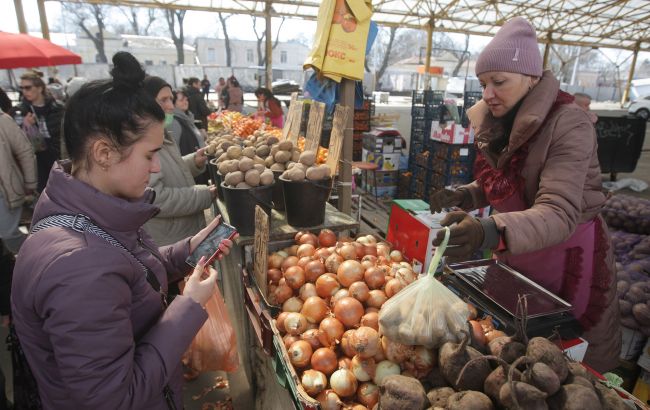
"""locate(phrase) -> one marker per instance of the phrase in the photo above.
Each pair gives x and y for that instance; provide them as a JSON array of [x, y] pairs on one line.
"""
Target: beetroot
[[452, 359], [496, 379], [469, 400], [574, 397], [438, 397], [402, 392], [542, 350]]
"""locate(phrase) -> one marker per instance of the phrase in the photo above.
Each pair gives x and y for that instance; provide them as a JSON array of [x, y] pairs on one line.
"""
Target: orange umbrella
[[24, 51]]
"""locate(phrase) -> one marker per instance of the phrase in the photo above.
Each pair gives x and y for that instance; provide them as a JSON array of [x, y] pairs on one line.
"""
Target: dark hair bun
[[127, 72]]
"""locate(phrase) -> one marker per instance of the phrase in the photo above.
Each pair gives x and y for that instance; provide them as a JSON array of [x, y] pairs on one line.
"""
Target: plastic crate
[[471, 97], [360, 126], [420, 130], [424, 112], [361, 115], [427, 97], [439, 181], [452, 168], [455, 152], [421, 174]]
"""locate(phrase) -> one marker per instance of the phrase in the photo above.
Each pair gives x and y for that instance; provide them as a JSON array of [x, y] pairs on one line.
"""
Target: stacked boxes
[[441, 154], [362, 118], [382, 146]]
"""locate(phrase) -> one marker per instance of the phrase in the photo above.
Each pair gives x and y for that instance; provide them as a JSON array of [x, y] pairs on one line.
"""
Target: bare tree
[[261, 57], [461, 55], [82, 13], [173, 17], [226, 38], [386, 59], [132, 15]]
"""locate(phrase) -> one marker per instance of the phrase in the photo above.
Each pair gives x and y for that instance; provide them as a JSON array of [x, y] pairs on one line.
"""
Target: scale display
[[502, 285]]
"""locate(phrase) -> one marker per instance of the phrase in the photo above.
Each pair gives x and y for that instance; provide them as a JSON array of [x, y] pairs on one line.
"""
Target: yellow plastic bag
[[215, 345], [340, 42], [425, 312]]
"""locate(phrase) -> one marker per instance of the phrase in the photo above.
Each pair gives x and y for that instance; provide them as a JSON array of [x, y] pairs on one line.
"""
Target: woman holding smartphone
[[87, 297]]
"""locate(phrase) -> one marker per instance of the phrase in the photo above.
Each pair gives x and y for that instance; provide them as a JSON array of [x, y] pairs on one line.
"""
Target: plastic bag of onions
[[425, 312]]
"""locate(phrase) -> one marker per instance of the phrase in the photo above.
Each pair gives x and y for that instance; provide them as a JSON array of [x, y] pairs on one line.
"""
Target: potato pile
[[633, 289], [628, 213], [306, 168]]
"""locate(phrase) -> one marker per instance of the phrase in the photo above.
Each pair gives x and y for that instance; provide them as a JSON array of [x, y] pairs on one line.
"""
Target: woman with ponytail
[[88, 294]]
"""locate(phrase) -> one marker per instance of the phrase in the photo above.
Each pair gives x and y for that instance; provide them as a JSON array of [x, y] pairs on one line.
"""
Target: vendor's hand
[[200, 158], [467, 234], [445, 198], [196, 288], [224, 246]]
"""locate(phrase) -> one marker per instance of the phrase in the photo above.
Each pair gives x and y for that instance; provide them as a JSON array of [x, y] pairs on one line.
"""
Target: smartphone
[[209, 247]]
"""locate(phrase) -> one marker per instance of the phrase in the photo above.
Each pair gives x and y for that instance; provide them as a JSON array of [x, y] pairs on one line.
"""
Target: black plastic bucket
[[212, 168], [305, 201], [240, 203], [278, 192]]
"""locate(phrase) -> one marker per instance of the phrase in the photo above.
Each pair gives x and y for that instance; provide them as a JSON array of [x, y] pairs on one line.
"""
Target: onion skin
[[313, 382], [307, 290], [274, 275], [348, 251], [306, 249], [333, 262], [300, 353], [275, 261], [289, 262], [330, 331], [295, 323], [314, 309], [368, 394], [313, 270], [311, 336], [329, 400], [363, 369], [326, 238], [348, 272], [477, 332], [371, 320], [349, 311], [345, 363], [376, 298], [295, 277], [288, 340], [293, 304], [360, 291], [345, 345], [374, 277], [327, 286], [392, 287], [279, 322], [280, 294], [365, 342], [324, 360], [343, 383], [340, 294]]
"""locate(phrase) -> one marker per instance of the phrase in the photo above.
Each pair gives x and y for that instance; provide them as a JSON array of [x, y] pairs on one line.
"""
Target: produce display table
[[265, 383]]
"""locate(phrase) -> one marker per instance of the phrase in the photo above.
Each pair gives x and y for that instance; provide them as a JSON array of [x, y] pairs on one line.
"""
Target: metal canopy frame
[[622, 24]]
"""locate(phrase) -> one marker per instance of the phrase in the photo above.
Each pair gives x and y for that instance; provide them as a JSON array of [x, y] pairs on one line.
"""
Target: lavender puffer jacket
[[93, 329]]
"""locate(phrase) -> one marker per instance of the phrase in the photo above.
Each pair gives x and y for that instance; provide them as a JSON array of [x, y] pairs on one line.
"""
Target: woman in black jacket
[[42, 116]]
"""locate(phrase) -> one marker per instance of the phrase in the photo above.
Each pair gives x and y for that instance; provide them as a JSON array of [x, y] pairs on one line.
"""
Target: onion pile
[[331, 291]]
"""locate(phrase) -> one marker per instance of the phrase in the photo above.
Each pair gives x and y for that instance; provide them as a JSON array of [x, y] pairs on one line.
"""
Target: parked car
[[640, 107]]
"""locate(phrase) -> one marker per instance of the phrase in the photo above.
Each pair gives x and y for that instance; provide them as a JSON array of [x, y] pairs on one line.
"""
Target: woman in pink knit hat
[[537, 165]]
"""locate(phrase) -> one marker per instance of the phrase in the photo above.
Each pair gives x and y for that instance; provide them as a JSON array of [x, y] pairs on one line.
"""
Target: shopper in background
[[40, 117], [17, 180], [198, 107], [269, 107], [73, 85], [180, 201], [185, 133], [205, 87], [584, 101], [235, 95], [537, 165], [219, 90], [94, 330]]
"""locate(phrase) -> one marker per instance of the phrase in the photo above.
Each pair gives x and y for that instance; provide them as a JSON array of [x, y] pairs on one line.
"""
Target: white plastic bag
[[425, 312]]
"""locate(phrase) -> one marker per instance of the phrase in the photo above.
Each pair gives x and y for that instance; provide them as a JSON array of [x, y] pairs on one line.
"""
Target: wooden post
[[45, 28], [427, 62], [630, 77], [547, 49], [269, 46], [20, 16], [345, 164]]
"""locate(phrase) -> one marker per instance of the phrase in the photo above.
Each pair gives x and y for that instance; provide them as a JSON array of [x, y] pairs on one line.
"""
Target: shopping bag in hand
[[425, 312], [215, 346]]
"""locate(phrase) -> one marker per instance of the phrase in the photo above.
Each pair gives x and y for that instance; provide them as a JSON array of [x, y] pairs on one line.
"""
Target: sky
[[240, 27]]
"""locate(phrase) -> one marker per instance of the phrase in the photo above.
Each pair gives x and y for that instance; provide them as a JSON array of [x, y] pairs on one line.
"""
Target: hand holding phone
[[200, 290], [211, 242]]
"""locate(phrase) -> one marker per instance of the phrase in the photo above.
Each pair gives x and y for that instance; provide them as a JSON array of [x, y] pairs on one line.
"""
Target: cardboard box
[[633, 342], [383, 140], [644, 359], [385, 162], [452, 133], [575, 349], [383, 178]]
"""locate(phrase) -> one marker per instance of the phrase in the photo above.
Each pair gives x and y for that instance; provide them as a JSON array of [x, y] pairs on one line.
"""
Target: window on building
[[249, 55], [148, 62], [283, 56], [212, 55]]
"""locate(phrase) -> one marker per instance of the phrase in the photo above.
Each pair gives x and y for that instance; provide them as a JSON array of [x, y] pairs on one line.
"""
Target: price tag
[[260, 248], [314, 126], [464, 152], [296, 121]]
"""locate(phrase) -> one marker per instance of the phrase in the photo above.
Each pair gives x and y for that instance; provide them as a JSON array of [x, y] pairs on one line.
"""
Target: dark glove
[[445, 198], [467, 235]]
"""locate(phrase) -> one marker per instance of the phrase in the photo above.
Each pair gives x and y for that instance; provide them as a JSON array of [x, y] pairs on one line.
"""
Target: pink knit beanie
[[513, 49]]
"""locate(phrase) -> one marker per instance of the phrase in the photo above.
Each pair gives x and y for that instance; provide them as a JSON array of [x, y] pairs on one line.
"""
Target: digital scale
[[494, 288]]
